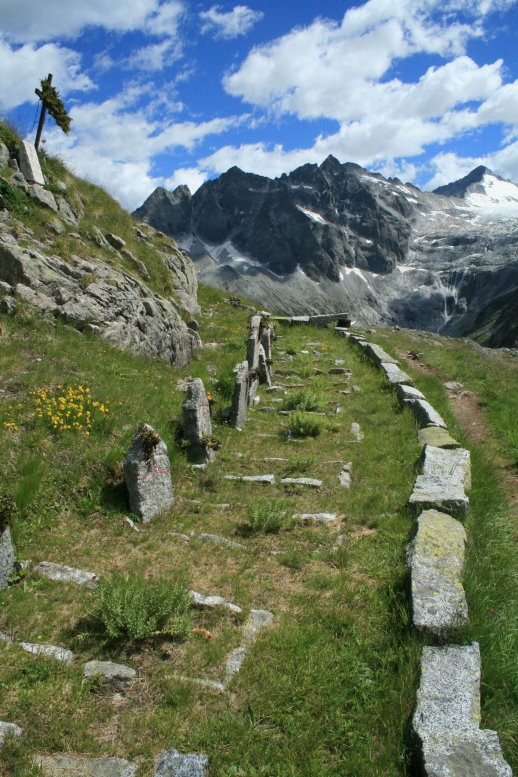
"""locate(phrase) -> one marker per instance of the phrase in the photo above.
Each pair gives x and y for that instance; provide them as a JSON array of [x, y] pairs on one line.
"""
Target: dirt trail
[[471, 417]]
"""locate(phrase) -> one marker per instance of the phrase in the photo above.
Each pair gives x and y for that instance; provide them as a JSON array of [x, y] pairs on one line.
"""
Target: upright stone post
[[264, 370], [266, 342], [147, 473], [252, 348], [6, 555], [197, 426], [240, 396]]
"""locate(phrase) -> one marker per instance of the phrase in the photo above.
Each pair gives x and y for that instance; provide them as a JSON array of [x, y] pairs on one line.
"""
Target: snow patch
[[316, 217], [498, 197]]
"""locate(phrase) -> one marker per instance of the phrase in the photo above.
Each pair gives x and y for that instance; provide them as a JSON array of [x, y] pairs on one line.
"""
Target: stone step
[[61, 765], [436, 557], [66, 574], [311, 482], [210, 602], [118, 673], [447, 716]]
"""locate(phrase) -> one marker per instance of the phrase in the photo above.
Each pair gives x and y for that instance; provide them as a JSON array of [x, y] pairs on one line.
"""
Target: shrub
[[304, 425], [137, 608], [269, 516], [305, 401]]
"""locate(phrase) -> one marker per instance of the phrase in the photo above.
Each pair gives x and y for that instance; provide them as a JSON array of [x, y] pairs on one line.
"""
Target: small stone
[[43, 197], [174, 764], [115, 241], [356, 431], [51, 651], [234, 661], [66, 574], [147, 473], [184, 537], [9, 730], [204, 536], [344, 478], [307, 518], [257, 621], [311, 482], [210, 602], [110, 670], [212, 684], [82, 766], [270, 479]]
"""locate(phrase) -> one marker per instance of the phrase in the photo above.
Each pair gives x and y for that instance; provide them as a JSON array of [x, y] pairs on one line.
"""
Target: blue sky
[[165, 92]]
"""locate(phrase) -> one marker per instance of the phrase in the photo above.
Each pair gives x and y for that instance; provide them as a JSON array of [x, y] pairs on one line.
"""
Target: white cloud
[[155, 56], [34, 20], [188, 176], [450, 166], [23, 67], [229, 25], [114, 144]]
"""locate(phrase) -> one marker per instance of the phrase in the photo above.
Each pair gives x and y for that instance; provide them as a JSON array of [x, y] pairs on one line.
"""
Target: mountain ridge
[[336, 236]]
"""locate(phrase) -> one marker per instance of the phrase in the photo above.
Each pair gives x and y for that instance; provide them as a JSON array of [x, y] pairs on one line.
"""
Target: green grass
[[329, 689]]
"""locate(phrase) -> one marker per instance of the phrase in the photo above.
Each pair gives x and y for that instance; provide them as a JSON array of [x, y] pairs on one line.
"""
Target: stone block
[[437, 436], [436, 563], [30, 164], [425, 414], [240, 396], [311, 482], [452, 464], [394, 374], [147, 473], [43, 197], [447, 716], [409, 393], [378, 355], [49, 651]]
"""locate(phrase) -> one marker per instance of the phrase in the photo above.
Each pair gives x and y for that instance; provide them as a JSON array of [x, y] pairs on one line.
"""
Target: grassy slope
[[329, 689]]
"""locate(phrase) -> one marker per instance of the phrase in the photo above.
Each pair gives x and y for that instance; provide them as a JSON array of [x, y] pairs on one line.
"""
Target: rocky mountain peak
[[460, 187]]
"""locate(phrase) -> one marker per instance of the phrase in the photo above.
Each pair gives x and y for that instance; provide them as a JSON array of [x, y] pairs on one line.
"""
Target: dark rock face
[[337, 237]]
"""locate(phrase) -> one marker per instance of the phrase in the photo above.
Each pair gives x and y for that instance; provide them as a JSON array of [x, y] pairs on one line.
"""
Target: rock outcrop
[[89, 289]]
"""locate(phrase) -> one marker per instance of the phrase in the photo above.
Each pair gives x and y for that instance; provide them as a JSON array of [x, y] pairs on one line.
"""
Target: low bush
[[135, 608], [268, 516], [305, 401], [304, 425]]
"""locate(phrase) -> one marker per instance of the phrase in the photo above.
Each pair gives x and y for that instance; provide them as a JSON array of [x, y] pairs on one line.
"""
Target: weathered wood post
[[43, 112]]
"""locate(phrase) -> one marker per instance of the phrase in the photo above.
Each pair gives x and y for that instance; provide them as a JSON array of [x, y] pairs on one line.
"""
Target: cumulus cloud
[[33, 20], [23, 67], [231, 24], [449, 166], [95, 150], [187, 176]]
